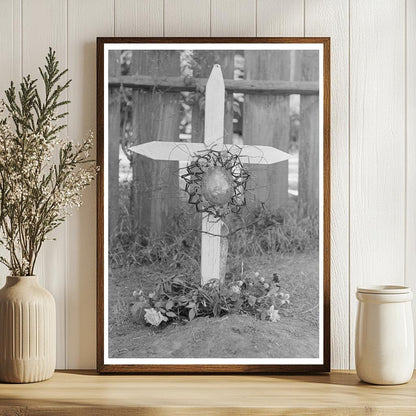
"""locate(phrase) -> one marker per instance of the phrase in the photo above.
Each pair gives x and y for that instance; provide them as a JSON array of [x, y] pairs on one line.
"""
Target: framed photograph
[[213, 205]]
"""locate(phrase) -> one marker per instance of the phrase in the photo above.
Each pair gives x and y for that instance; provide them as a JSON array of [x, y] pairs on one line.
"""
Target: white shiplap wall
[[373, 131]]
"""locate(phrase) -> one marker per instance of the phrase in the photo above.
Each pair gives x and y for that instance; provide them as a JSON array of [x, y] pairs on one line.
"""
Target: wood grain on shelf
[[84, 392]]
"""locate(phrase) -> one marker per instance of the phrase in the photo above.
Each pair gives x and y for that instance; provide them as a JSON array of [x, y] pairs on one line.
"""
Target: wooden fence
[[156, 82]]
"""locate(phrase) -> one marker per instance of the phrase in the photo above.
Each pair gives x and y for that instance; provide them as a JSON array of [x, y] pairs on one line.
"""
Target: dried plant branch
[[41, 176]]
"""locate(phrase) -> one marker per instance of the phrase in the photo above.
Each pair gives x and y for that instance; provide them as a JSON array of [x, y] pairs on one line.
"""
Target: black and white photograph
[[213, 196]]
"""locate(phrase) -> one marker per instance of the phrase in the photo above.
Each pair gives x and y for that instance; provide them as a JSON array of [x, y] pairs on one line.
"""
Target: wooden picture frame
[[304, 87]]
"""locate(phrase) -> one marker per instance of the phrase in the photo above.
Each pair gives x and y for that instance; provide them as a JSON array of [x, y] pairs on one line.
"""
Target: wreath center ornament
[[217, 186], [216, 182]]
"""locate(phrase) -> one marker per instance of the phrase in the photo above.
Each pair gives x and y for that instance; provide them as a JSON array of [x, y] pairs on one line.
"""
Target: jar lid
[[384, 289]]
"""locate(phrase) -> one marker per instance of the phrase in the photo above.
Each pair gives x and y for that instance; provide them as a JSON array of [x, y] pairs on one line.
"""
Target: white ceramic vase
[[27, 331], [384, 340]]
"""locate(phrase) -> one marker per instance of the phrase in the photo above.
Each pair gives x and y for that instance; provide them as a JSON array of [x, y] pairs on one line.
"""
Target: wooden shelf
[[86, 393]]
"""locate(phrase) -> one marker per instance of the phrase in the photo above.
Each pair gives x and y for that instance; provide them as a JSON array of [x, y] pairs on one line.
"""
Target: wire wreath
[[216, 182]]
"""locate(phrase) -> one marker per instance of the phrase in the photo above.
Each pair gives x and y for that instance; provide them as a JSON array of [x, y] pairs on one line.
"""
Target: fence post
[[156, 116], [308, 201], [113, 144], [206, 59], [266, 121]]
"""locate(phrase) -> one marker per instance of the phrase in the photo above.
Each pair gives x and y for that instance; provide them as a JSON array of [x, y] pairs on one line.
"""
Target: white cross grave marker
[[212, 254]]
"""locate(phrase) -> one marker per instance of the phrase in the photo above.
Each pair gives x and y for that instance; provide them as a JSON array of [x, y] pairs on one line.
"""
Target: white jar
[[384, 340]]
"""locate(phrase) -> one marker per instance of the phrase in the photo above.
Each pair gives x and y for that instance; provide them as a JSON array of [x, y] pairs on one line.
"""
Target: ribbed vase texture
[[27, 331]]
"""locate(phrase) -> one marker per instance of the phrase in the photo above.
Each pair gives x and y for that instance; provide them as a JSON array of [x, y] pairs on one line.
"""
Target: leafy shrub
[[274, 231]]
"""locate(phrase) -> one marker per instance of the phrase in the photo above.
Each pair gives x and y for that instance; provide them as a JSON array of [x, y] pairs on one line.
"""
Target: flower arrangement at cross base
[[178, 299], [42, 177]]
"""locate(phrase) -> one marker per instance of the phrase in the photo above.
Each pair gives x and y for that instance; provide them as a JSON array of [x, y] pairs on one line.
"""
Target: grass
[[257, 243], [261, 232]]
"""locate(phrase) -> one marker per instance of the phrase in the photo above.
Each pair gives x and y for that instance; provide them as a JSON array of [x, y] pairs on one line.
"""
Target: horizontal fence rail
[[177, 84]]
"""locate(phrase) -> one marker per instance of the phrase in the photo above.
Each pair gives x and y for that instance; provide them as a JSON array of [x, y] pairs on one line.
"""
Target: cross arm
[[182, 151], [159, 150]]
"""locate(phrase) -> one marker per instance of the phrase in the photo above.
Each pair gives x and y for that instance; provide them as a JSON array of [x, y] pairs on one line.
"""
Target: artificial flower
[[273, 314], [154, 317], [284, 298]]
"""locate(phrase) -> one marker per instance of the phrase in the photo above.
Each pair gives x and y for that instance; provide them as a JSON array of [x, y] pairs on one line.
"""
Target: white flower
[[285, 298], [154, 317], [137, 293], [235, 289], [273, 314]]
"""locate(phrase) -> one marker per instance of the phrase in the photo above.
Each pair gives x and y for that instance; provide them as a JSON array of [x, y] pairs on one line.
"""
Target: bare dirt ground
[[232, 336], [296, 335]]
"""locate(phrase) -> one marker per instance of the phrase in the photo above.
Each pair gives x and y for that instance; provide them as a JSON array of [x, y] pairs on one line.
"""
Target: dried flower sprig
[[41, 176]]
